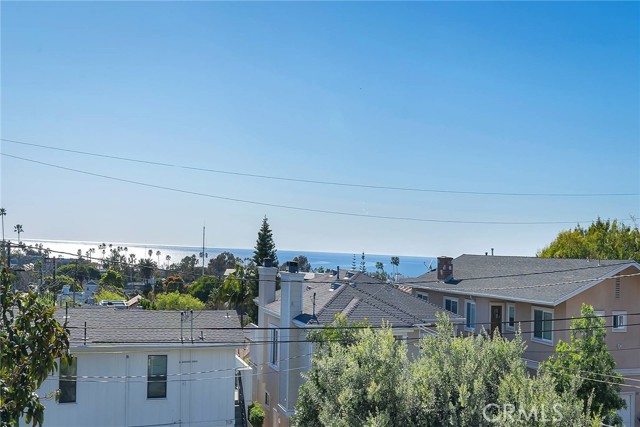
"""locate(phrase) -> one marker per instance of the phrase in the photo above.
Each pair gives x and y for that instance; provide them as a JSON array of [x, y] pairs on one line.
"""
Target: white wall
[[197, 398]]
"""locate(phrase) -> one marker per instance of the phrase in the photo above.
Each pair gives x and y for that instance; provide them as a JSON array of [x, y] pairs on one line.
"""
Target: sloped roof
[[541, 280], [107, 325], [361, 297]]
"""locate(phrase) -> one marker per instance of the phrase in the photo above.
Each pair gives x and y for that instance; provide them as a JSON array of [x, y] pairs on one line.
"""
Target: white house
[[280, 353], [140, 368]]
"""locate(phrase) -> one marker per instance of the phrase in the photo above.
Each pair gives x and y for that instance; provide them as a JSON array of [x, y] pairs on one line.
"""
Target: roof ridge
[[336, 292]]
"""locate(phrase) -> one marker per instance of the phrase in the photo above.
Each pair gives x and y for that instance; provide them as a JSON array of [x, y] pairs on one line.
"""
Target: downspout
[[126, 391]]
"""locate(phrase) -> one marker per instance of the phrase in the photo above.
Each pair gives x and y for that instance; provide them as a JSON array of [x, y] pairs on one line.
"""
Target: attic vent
[[617, 288], [334, 286]]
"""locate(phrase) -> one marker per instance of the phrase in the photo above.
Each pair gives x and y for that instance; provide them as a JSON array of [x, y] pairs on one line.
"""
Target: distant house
[[285, 316], [540, 296], [148, 368]]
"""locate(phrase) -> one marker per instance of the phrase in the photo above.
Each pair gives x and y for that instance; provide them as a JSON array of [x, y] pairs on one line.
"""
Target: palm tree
[[18, 229], [395, 261], [150, 253], [158, 254], [168, 258]]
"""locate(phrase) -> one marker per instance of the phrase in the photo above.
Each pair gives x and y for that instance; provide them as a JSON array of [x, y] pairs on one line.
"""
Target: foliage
[[341, 331], [30, 342], [586, 355], [84, 271], [265, 247], [236, 292], [177, 301], [256, 414], [380, 274], [303, 263], [56, 285], [602, 240], [107, 294], [112, 280], [174, 284], [187, 268], [218, 265], [147, 267], [451, 382], [202, 287]]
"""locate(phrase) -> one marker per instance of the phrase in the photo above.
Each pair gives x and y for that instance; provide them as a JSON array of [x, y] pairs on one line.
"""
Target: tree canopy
[[85, 271], [601, 240], [586, 355], [218, 265], [112, 280], [203, 286], [265, 247], [177, 301], [454, 381], [30, 342]]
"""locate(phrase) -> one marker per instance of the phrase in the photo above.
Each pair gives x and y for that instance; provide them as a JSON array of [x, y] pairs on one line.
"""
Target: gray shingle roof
[[542, 280], [362, 297], [107, 325]]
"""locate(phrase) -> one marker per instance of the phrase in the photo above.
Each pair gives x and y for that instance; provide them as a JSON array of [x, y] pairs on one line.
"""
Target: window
[[156, 377], [451, 304], [266, 398], [68, 380], [423, 295], [511, 317], [470, 314], [273, 345], [543, 325], [619, 321]]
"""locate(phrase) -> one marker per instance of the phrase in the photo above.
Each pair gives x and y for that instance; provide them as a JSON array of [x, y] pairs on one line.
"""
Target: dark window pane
[[67, 385], [156, 377]]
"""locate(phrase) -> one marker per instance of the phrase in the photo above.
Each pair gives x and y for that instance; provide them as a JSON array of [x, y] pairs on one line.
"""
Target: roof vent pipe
[[491, 251]]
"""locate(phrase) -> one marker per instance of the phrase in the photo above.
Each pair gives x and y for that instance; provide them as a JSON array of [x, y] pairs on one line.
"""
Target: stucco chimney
[[291, 296], [445, 268], [266, 283]]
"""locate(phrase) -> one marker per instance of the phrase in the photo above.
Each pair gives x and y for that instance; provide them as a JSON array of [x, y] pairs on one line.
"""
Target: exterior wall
[[200, 389], [624, 346]]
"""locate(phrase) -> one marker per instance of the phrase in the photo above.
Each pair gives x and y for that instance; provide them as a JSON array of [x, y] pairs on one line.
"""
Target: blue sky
[[516, 97]]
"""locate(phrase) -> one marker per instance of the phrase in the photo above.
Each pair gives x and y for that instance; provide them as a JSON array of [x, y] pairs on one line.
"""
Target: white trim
[[452, 299], [624, 321], [273, 329], [628, 371], [479, 295], [507, 326], [533, 329], [466, 315]]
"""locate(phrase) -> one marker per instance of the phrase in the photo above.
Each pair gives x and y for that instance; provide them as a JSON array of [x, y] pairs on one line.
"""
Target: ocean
[[410, 266]]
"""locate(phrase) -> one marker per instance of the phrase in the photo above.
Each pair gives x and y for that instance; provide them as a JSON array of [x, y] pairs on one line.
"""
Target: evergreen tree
[[265, 248], [363, 267]]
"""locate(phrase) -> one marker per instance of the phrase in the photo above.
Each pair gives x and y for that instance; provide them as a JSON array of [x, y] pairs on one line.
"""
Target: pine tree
[[363, 267], [353, 263], [265, 248]]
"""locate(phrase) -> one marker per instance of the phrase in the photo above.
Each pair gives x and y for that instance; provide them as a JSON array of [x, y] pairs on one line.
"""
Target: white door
[[627, 413]]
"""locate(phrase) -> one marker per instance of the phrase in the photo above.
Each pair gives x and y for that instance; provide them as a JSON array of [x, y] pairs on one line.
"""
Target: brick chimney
[[445, 268]]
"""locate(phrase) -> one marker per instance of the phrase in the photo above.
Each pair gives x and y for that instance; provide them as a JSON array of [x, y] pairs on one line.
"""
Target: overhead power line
[[289, 207], [318, 182]]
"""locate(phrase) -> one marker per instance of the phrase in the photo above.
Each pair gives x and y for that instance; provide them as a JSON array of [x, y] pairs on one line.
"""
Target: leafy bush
[[256, 414], [177, 301]]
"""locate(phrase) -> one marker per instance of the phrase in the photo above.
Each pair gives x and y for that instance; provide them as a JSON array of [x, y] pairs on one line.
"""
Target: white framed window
[[274, 345], [542, 325], [470, 314], [156, 376], [619, 321], [68, 380], [423, 295], [511, 317], [451, 304]]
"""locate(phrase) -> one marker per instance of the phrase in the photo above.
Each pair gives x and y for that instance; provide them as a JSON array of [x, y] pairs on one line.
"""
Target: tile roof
[[107, 325], [543, 280], [361, 297]]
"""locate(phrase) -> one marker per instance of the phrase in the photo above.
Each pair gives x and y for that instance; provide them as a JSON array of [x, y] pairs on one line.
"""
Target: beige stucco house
[[540, 296], [279, 350]]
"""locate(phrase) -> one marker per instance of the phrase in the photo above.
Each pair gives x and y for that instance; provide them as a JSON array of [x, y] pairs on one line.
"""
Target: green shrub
[[256, 414]]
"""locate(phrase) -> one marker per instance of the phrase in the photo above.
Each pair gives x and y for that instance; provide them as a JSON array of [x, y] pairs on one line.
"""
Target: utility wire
[[319, 182], [290, 207]]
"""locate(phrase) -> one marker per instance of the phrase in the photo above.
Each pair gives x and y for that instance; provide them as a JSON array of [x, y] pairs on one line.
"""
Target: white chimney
[[266, 284]]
